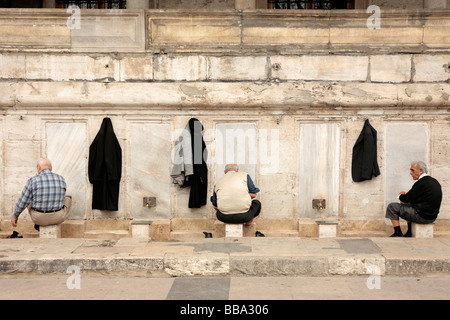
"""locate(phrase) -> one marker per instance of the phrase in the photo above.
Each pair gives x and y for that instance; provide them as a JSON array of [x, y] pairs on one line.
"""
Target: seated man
[[420, 204], [232, 197], [45, 197]]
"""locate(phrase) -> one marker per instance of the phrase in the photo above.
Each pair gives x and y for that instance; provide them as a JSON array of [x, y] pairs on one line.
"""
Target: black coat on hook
[[364, 159], [105, 168], [199, 180]]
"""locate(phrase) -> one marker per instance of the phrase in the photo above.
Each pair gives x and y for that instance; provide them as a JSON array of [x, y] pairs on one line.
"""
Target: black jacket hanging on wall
[[364, 160], [105, 168], [190, 169], [199, 180]]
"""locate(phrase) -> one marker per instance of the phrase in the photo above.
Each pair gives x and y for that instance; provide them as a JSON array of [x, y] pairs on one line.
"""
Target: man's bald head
[[43, 163], [231, 167]]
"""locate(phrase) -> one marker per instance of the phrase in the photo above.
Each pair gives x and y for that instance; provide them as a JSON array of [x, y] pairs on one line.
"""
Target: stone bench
[[327, 229], [234, 230], [50, 232], [140, 229], [422, 230]]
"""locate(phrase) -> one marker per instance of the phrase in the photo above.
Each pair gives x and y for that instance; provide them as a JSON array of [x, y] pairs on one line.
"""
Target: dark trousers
[[395, 210], [244, 217]]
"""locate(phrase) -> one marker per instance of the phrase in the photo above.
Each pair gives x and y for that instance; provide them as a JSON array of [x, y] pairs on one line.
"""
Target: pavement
[[235, 257], [239, 289]]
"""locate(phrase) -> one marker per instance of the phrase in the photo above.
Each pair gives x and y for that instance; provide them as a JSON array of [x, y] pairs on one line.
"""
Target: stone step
[[442, 234], [106, 234], [187, 234], [191, 224], [279, 233], [364, 233], [4, 234], [105, 224]]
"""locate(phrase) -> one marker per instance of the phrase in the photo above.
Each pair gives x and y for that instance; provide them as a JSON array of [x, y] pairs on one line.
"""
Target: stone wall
[[64, 101], [299, 108], [262, 4], [196, 4]]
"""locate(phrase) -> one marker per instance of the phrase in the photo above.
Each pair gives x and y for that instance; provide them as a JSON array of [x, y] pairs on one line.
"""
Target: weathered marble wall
[[236, 143], [319, 175], [149, 159], [300, 107], [405, 142], [66, 146], [299, 159]]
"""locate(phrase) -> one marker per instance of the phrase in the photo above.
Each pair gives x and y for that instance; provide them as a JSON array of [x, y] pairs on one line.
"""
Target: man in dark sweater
[[420, 204]]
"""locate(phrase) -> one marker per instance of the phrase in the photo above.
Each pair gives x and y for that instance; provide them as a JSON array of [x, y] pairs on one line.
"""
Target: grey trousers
[[395, 210]]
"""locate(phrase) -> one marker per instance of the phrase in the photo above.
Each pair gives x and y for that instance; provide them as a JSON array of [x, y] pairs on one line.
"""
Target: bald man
[[234, 197], [45, 197]]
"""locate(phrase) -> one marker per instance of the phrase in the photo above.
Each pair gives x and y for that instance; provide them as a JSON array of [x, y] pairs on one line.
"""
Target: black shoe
[[259, 234], [395, 234], [207, 234], [15, 234], [407, 235], [36, 227]]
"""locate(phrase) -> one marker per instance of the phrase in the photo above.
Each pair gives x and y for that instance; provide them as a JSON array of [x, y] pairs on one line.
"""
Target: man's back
[[45, 191], [425, 196], [48, 190], [232, 193]]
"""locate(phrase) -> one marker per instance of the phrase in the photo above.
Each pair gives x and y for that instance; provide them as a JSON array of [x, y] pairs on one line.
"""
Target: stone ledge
[[229, 31], [278, 266], [417, 267], [297, 95], [229, 257], [422, 230], [140, 228], [394, 68], [221, 264], [50, 232], [234, 230], [327, 229], [214, 264], [141, 222]]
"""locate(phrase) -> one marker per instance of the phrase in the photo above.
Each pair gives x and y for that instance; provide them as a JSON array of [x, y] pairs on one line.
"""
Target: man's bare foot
[[249, 223]]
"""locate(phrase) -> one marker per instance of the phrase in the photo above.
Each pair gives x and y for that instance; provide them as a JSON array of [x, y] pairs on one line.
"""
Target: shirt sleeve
[[24, 200], [251, 185], [214, 198]]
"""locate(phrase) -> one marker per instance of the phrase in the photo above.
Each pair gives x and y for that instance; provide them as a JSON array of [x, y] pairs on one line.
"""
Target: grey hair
[[421, 165], [231, 167]]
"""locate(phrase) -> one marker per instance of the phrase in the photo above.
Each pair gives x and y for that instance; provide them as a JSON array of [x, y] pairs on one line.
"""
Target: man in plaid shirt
[[45, 197]]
